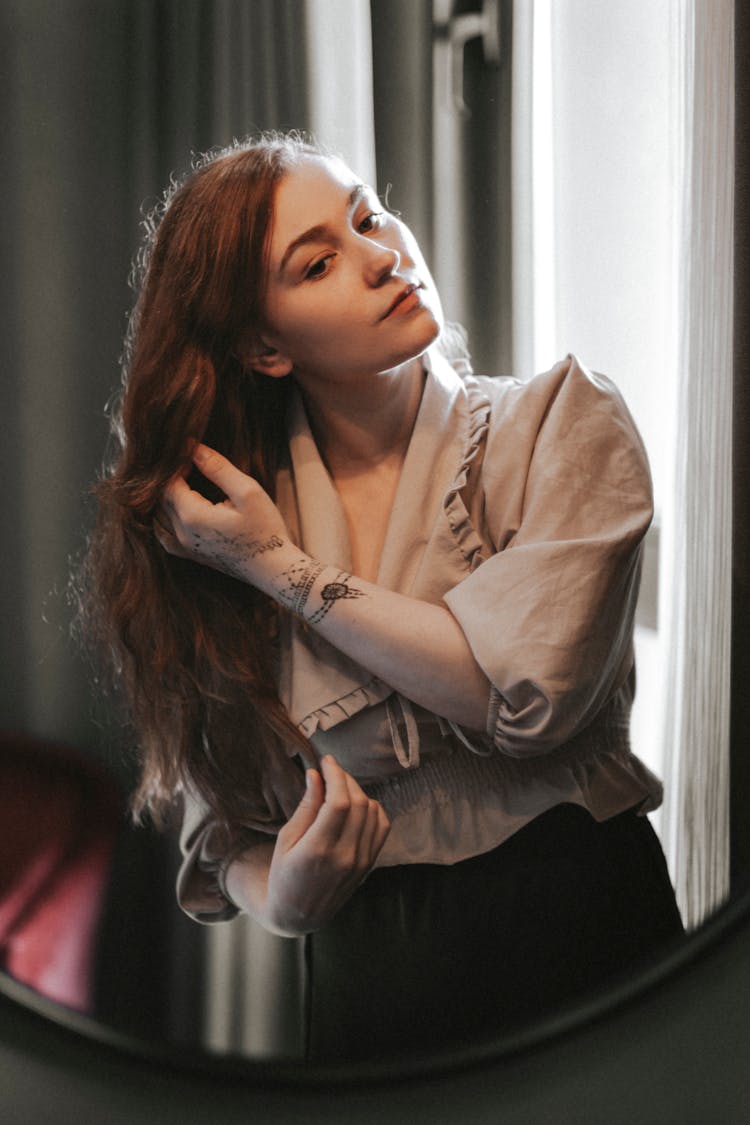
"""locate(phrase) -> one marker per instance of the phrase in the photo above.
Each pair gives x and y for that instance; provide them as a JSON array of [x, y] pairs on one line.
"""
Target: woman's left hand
[[236, 536]]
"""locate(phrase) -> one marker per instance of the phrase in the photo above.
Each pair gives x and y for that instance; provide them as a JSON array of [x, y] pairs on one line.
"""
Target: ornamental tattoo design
[[256, 547], [299, 580], [229, 552], [223, 552], [335, 592]]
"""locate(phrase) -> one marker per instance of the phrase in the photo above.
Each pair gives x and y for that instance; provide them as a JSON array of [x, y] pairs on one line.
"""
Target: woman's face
[[349, 293]]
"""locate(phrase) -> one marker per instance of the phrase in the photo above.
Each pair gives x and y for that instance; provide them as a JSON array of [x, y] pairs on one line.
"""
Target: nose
[[381, 262]]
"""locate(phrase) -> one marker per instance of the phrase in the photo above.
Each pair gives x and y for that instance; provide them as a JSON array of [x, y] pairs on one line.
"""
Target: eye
[[319, 268], [373, 220]]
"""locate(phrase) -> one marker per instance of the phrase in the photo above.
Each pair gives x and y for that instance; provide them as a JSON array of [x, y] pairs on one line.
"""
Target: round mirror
[[550, 141]]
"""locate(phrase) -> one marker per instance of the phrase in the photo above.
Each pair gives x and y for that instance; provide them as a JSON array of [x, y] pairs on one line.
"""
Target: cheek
[[317, 327], [330, 307]]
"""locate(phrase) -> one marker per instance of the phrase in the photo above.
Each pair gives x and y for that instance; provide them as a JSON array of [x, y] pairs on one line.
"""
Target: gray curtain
[[101, 100]]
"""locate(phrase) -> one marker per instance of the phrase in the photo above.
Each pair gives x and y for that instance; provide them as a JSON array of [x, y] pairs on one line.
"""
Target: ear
[[266, 359]]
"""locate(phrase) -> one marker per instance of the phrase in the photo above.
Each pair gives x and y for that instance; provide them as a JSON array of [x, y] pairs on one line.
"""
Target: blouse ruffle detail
[[349, 705], [464, 532]]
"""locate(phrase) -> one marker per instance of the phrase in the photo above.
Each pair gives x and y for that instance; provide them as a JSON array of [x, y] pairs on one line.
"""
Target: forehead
[[312, 192]]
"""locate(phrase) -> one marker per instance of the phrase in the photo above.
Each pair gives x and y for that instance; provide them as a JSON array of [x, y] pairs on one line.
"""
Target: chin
[[422, 338]]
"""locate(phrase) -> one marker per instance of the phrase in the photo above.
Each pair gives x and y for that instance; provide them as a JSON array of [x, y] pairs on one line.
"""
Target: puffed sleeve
[[206, 852], [208, 848], [549, 616]]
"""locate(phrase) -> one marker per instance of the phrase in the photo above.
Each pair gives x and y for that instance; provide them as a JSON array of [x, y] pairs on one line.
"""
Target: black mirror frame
[[671, 1045], [677, 1035]]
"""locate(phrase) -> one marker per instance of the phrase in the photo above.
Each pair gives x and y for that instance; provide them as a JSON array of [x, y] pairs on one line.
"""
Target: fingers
[[182, 514], [307, 810], [169, 513], [181, 503], [168, 540], [247, 513], [348, 820], [335, 813], [213, 465], [375, 832]]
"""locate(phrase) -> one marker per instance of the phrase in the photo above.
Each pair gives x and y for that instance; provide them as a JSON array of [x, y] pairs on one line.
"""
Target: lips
[[402, 296]]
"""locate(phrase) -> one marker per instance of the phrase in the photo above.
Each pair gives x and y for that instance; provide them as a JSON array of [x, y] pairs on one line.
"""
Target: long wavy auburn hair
[[191, 650]]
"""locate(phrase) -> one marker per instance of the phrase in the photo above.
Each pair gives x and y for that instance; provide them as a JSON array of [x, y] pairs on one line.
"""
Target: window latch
[[460, 30]]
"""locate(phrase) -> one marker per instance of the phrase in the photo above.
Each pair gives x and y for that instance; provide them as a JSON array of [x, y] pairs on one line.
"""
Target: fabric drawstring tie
[[399, 712], [408, 756]]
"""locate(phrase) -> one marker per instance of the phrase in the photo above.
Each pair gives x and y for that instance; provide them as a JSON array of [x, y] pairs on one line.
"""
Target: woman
[[374, 617]]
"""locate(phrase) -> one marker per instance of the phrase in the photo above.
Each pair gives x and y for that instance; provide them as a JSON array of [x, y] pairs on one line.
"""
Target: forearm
[[416, 647]]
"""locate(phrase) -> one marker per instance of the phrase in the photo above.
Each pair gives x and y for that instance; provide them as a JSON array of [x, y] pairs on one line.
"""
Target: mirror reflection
[[449, 569]]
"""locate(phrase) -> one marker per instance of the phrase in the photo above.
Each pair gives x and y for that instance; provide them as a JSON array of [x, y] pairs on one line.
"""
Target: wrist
[[243, 881], [285, 921], [309, 589], [269, 565]]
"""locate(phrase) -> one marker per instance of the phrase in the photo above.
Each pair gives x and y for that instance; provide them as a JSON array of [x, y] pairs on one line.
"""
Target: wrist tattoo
[[334, 592], [298, 582]]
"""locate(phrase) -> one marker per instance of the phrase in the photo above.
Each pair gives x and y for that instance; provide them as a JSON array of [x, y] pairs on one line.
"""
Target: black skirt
[[426, 955]]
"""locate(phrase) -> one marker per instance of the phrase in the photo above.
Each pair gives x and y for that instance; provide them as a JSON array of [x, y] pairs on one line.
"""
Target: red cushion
[[59, 816]]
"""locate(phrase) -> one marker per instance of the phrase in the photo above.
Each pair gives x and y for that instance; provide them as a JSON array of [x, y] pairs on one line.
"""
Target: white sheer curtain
[[622, 203], [339, 65], [697, 574], [534, 303]]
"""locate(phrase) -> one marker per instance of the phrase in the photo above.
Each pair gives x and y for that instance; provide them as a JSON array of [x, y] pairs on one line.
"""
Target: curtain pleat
[[205, 71], [740, 759], [698, 559]]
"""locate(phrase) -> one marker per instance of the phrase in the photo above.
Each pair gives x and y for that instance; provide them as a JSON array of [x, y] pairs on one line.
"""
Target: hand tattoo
[[229, 553], [256, 547]]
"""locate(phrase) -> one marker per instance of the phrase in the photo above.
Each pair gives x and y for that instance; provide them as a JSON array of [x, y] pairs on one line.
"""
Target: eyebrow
[[318, 232]]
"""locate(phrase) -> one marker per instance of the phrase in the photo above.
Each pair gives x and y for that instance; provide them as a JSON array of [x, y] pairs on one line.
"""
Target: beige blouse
[[521, 506]]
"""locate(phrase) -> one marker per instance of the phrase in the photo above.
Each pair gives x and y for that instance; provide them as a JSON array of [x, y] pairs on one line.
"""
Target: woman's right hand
[[324, 851]]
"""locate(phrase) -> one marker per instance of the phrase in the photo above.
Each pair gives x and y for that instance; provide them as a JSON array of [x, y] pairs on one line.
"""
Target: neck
[[362, 425]]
